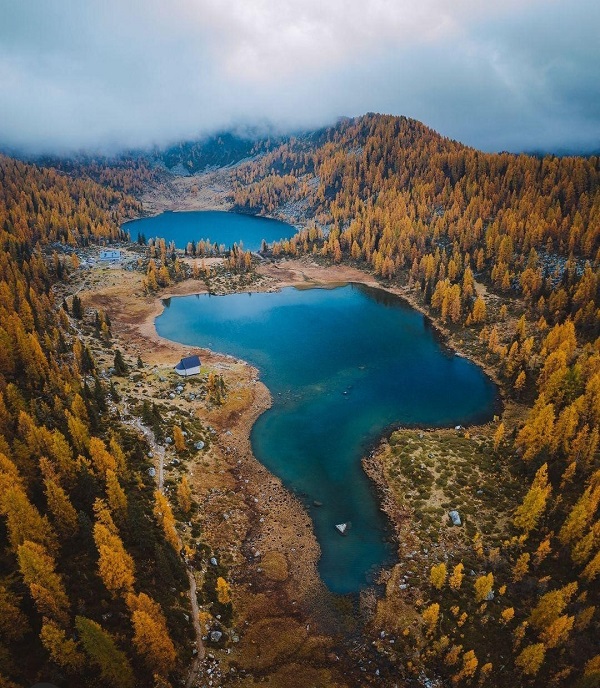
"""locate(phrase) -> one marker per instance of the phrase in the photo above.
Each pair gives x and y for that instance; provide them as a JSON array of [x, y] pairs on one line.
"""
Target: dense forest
[[89, 576], [90, 579], [392, 196]]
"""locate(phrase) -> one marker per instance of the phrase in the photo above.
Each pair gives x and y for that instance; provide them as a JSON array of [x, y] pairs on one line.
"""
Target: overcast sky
[[90, 74]]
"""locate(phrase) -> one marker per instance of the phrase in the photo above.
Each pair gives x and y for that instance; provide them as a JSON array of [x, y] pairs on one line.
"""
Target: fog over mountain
[[74, 75]]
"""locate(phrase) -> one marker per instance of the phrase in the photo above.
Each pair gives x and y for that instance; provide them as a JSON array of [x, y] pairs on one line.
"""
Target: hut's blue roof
[[188, 362]]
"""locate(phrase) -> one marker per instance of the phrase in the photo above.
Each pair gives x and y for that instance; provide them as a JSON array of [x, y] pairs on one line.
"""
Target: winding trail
[[159, 451], [195, 668]]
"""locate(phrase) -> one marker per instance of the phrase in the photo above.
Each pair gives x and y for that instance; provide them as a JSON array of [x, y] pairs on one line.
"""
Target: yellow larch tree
[[223, 591], [178, 439], [558, 631], [592, 669], [582, 513], [65, 516], [507, 615], [536, 434], [165, 518], [431, 614], [551, 605], [530, 511], [45, 585], [115, 564], [468, 668], [78, 431], [116, 497], [102, 459], [457, 576], [437, 575], [23, 520], [478, 314], [530, 660], [151, 637], [498, 436], [483, 586], [63, 651], [591, 571], [521, 567], [184, 495]]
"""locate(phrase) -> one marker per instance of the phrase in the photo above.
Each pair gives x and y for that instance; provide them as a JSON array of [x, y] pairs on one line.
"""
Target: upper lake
[[343, 365], [220, 227]]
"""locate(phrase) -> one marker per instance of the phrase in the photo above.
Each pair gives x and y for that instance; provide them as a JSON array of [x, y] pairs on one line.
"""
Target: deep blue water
[[220, 227], [343, 365]]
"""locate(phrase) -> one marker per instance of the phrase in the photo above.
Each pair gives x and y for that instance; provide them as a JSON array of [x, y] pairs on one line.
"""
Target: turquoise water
[[343, 365], [219, 227]]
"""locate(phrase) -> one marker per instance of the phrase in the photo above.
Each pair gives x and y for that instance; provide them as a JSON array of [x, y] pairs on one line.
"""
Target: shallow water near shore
[[218, 226], [343, 365]]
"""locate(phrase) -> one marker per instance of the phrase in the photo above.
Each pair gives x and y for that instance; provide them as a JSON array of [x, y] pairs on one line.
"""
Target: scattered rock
[[152, 472], [199, 445], [215, 636], [213, 561], [342, 527], [455, 518]]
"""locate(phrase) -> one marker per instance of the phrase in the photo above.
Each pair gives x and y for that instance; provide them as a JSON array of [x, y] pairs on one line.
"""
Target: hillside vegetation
[[88, 575], [502, 250]]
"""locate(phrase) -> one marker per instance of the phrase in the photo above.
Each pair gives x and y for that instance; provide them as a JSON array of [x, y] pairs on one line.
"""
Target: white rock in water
[[342, 527], [455, 518]]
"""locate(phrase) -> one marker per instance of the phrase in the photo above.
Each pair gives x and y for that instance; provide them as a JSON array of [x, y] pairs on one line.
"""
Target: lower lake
[[343, 365], [218, 226]]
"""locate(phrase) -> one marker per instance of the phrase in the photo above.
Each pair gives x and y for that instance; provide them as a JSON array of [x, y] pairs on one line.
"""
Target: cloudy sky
[[90, 74]]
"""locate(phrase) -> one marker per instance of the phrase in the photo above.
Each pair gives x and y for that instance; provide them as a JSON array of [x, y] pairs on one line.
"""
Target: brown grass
[[269, 641], [275, 566]]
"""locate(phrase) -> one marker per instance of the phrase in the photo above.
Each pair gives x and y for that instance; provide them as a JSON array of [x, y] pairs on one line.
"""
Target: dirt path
[[195, 668], [157, 449], [159, 452]]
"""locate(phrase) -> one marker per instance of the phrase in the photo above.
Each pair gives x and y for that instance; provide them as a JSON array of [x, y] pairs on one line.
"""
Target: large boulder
[[455, 518]]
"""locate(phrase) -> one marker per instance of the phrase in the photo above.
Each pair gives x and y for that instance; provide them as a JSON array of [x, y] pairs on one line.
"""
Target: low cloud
[[114, 74]]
